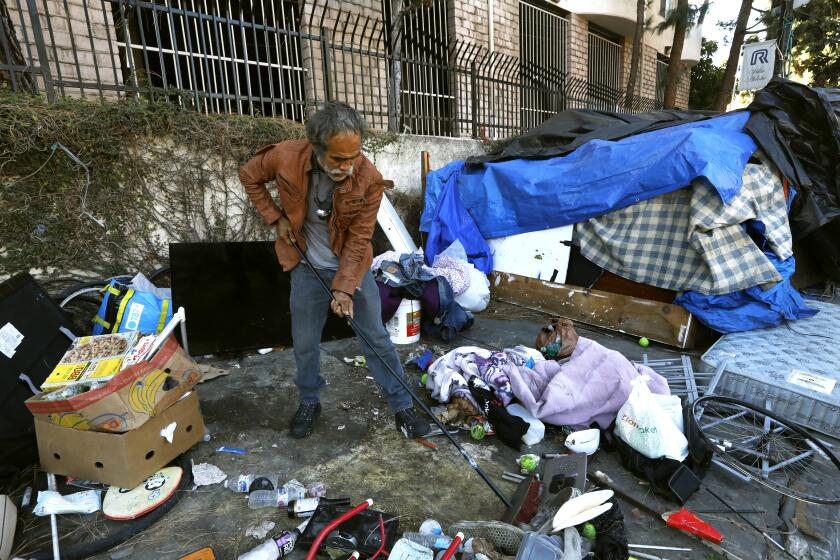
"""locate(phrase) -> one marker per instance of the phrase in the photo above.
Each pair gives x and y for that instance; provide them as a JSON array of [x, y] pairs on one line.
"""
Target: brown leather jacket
[[355, 205]]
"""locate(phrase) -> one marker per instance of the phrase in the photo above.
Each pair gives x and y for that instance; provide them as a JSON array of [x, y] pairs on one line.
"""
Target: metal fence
[[283, 58]]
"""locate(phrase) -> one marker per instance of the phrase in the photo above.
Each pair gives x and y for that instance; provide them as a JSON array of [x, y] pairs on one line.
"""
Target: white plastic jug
[[404, 326]]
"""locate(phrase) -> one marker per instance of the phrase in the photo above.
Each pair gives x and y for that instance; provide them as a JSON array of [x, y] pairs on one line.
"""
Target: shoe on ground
[[304, 419], [410, 424]]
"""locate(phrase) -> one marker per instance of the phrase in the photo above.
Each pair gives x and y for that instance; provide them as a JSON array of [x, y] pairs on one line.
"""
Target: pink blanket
[[589, 387]]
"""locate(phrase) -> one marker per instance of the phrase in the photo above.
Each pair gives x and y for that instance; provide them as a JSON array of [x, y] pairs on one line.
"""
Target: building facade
[[483, 68]]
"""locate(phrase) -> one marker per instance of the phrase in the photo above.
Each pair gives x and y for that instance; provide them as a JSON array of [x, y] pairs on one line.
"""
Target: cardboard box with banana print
[[142, 390]]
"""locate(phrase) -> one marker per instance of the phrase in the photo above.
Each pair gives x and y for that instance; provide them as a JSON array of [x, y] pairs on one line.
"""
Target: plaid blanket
[[689, 240]]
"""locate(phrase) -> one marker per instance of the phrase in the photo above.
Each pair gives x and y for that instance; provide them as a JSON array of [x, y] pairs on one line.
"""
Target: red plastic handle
[[453, 546]]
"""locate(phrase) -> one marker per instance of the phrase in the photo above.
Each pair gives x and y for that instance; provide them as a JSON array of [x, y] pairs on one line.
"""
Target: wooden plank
[[663, 322]]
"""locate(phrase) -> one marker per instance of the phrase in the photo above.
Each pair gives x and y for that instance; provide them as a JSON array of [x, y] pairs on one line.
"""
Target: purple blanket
[[590, 387]]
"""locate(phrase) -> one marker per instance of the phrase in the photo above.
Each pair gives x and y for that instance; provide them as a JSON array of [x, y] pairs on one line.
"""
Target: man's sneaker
[[411, 424], [303, 419]]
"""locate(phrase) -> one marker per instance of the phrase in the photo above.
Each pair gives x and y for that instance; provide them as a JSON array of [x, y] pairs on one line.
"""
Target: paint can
[[404, 326]]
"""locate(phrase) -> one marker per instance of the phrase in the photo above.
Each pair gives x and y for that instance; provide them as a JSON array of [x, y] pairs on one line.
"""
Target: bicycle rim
[[769, 449]]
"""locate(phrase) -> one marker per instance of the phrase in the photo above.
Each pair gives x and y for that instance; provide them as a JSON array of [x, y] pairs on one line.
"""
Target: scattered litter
[[342, 426], [356, 361], [426, 442], [368, 377], [581, 509], [316, 490], [273, 445], [687, 521], [431, 527], [209, 372], [603, 477], [512, 477], [205, 474], [168, 432], [237, 450], [53, 503], [259, 530], [652, 547], [27, 497], [584, 441], [529, 462], [404, 549], [264, 351]]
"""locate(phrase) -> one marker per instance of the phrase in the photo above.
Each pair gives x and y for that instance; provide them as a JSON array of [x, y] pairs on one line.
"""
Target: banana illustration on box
[[69, 420], [141, 396]]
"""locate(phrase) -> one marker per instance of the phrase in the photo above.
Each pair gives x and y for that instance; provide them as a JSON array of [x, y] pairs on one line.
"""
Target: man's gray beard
[[342, 175]]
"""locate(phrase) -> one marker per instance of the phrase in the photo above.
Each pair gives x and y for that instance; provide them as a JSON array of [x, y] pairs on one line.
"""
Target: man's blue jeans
[[310, 305]]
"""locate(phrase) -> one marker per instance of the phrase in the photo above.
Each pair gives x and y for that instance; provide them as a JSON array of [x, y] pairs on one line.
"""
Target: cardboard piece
[[123, 460], [130, 399]]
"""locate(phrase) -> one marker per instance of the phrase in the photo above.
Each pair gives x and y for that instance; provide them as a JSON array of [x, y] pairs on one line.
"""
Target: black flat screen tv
[[236, 297]]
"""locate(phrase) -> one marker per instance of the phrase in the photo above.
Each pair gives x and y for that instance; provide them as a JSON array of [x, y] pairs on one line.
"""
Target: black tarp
[[797, 127], [571, 129]]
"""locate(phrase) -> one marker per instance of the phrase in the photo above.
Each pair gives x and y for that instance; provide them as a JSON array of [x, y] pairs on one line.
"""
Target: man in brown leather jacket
[[329, 196]]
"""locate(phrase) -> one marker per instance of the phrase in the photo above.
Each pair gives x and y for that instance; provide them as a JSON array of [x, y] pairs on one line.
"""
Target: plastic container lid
[[538, 547]]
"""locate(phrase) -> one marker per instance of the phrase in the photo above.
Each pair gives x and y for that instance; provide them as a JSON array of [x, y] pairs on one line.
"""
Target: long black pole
[[402, 382], [750, 523]]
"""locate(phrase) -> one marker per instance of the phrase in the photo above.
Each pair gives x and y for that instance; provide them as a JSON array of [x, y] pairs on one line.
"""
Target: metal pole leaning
[[405, 386]]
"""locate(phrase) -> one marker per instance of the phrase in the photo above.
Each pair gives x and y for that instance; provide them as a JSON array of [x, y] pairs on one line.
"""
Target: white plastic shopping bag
[[652, 424], [476, 297]]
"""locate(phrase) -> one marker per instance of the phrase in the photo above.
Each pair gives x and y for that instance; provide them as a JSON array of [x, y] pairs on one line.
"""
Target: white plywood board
[[543, 255]]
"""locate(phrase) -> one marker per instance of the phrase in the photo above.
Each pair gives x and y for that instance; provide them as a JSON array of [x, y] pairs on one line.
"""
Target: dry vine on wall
[[157, 174]]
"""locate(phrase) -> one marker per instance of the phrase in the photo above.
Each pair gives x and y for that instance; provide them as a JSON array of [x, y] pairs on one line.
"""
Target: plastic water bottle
[[242, 482], [281, 544], [435, 542], [295, 490], [265, 551], [552, 349], [267, 498]]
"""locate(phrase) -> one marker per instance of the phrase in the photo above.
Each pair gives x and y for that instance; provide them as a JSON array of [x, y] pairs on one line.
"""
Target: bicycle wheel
[[81, 306], [769, 449]]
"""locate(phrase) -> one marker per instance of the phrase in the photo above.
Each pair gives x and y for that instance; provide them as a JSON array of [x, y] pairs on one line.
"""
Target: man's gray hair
[[333, 118]]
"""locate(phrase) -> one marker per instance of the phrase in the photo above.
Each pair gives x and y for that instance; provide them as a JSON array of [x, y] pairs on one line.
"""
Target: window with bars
[[426, 100], [543, 51], [604, 69], [224, 56]]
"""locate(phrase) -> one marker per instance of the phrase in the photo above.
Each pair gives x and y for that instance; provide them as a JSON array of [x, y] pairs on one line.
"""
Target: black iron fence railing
[[283, 58]]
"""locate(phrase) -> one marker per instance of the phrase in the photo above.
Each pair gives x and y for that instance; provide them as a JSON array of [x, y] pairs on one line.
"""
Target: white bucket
[[404, 326]]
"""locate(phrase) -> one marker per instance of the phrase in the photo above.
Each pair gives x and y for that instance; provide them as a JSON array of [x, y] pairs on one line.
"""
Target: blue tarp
[[753, 308], [452, 221], [518, 196]]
